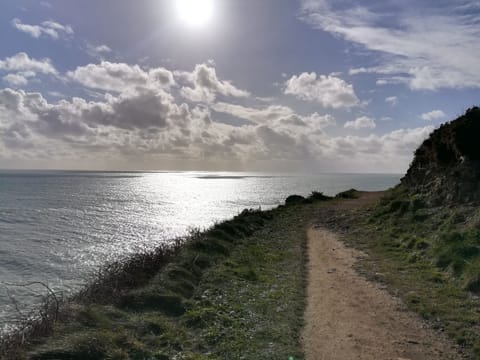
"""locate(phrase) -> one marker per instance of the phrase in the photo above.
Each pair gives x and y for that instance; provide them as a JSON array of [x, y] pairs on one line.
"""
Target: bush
[[349, 194], [472, 283], [153, 298], [294, 200], [318, 196], [400, 206]]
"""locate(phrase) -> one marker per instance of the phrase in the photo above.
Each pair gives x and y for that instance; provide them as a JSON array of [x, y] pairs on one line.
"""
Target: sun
[[195, 12]]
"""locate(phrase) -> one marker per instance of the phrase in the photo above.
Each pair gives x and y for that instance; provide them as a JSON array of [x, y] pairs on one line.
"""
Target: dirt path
[[349, 318]]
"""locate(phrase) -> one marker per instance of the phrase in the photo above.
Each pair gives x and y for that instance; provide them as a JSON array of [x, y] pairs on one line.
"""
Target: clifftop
[[446, 167]]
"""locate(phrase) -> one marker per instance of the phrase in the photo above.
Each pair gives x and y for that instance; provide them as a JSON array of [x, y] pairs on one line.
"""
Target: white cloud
[[99, 51], [120, 77], [320, 121], [149, 127], [363, 122], [426, 47], [392, 100], [49, 28], [327, 90], [390, 152], [147, 123], [109, 76], [15, 79], [433, 115], [206, 85], [263, 115], [22, 62], [277, 116], [138, 118]]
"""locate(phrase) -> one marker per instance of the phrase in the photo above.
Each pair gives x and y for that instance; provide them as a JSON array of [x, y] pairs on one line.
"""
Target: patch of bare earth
[[348, 317]]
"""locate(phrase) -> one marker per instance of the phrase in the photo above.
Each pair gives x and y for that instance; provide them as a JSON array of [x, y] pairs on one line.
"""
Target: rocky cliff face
[[446, 167]]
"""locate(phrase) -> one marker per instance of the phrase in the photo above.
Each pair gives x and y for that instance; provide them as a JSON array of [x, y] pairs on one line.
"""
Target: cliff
[[446, 167]]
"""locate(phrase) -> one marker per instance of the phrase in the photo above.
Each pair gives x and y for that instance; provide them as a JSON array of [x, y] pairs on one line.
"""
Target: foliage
[[349, 194]]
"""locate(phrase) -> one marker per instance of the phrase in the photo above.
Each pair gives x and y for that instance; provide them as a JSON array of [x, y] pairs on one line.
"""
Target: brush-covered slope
[[426, 232], [434, 213], [446, 167]]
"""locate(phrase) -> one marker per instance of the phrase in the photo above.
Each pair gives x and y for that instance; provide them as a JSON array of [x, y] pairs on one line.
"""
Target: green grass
[[235, 291], [427, 256]]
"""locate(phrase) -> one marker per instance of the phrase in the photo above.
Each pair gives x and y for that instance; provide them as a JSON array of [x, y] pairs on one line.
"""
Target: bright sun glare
[[195, 12]]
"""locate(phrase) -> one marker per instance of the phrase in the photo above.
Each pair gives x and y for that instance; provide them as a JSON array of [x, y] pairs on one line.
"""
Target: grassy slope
[[238, 290], [429, 257], [234, 292]]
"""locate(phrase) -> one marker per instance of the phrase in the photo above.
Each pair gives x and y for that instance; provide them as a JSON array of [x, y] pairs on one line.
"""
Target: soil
[[348, 317]]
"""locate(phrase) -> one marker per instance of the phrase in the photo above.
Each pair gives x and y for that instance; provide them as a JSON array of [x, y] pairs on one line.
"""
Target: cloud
[[22, 68], [22, 62], [426, 46], [49, 28], [320, 121], [277, 116], [120, 77], [260, 116], [149, 122], [363, 122], [327, 90], [392, 100], [139, 118], [391, 152], [149, 127], [15, 79], [206, 85], [433, 115], [99, 51]]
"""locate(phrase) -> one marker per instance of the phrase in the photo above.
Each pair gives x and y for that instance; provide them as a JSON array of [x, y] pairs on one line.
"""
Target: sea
[[58, 227]]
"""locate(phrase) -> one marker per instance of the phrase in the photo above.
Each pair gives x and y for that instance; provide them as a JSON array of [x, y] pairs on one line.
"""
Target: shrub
[[318, 196], [294, 200], [349, 194], [472, 283]]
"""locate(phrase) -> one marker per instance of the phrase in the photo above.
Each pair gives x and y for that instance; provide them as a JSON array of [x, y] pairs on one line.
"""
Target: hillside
[[428, 230], [446, 167]]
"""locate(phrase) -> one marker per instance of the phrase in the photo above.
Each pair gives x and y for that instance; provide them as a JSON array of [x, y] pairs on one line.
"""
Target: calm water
[[58, 227]]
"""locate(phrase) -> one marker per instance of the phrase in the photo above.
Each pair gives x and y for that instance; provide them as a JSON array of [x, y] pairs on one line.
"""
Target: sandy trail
[[348, 317]]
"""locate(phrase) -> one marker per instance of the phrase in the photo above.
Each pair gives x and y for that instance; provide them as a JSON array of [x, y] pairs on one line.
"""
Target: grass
[[429, 257], [236, 290]]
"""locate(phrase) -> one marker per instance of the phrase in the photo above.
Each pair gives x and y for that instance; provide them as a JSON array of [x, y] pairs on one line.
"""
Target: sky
[[232, 85]]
